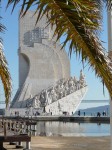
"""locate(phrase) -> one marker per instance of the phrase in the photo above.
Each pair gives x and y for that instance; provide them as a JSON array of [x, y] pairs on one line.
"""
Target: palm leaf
[[2, 27], [4, 72], [5, 75], [108, 3]]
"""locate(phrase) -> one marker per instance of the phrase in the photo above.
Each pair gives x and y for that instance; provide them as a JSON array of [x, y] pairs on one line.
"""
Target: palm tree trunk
[[110, 52]]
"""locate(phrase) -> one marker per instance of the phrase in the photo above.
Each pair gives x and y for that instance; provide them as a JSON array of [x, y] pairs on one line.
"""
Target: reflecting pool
[[56, 128]]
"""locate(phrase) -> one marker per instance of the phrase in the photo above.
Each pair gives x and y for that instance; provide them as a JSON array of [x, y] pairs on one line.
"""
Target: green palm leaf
[[5, 75], [4, 72]]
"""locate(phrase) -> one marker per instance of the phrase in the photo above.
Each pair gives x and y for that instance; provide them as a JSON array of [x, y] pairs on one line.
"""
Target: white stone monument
[[41, 61], [45, 85]]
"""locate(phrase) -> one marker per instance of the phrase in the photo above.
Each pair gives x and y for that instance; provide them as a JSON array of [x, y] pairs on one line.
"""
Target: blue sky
[[95, 87]]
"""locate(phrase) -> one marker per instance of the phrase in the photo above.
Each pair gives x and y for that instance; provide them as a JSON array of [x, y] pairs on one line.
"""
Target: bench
[[15, 138]]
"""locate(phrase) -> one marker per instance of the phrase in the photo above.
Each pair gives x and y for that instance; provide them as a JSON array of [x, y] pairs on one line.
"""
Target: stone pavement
[[70, 143], [67, 143]]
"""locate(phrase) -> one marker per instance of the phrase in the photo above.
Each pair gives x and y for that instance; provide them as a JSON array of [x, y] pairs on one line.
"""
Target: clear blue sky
[[95, 87]]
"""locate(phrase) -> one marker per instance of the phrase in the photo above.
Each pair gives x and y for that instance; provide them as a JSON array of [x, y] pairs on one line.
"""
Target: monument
[[44, 71]]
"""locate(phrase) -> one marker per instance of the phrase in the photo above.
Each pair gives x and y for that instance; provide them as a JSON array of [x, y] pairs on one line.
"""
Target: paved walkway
[[70, 143], [67, 143]]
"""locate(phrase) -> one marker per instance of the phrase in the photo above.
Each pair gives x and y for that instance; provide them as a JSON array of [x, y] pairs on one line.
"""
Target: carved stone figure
[[75, 87], [82, 79], [78, 85], [72, 89], [60, 91], [36, 102], [75, 80], [66, 91], [49, 97], [71, 82], [53, 94], [43, 98]]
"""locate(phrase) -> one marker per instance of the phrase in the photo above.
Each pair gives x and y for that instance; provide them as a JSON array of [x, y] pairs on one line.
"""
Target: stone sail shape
[[41, 62]]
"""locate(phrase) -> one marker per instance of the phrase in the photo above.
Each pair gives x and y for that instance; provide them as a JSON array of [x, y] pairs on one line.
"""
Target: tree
[[4, 72]]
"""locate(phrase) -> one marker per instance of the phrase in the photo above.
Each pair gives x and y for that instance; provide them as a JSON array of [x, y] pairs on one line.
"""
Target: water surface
[[56, 128]]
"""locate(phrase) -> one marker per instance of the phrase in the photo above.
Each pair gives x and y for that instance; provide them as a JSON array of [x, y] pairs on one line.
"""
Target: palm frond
[[4, 72], [2, 27], [5, 75], [108, 3]]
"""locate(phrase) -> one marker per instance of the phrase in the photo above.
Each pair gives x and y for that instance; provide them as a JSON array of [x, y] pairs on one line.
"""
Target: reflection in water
[[99, 123], [56, 128]]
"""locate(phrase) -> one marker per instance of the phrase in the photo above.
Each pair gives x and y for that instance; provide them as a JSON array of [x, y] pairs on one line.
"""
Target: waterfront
[[61, 125], [57, 128], [55, 135]]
